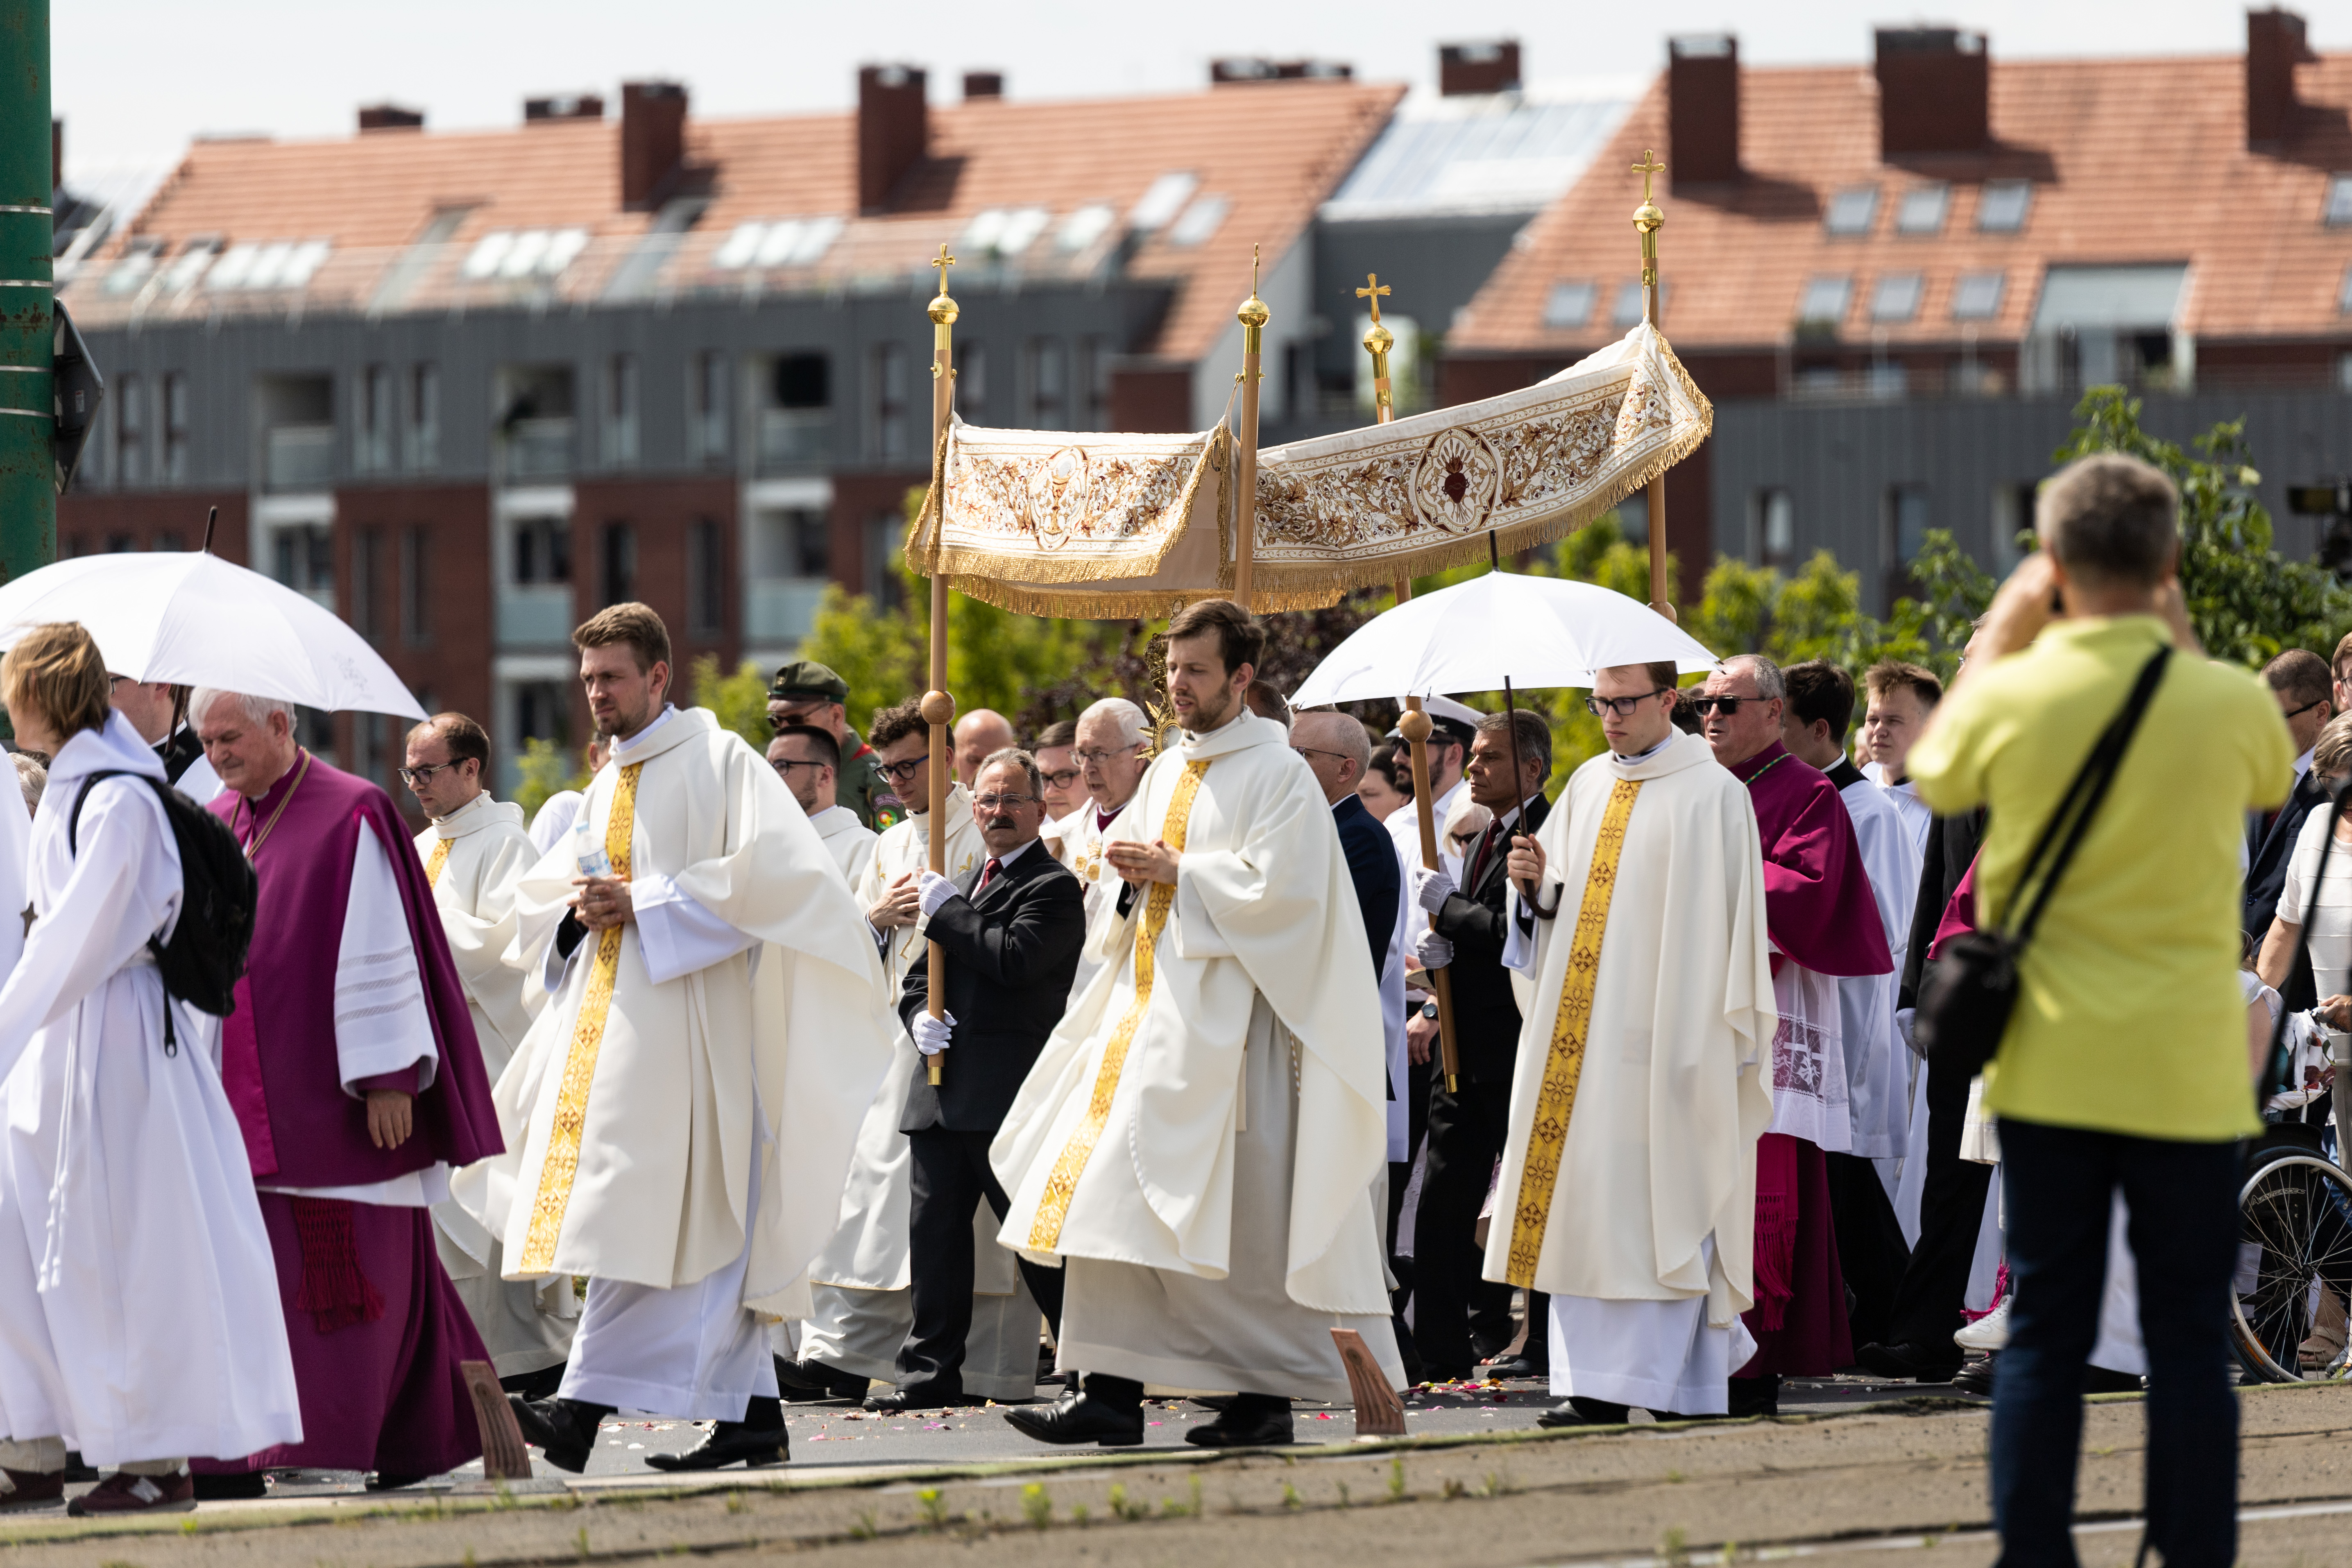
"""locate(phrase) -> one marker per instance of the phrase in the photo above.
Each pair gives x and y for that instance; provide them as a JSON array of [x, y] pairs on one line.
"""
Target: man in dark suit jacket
[[1010, 930], [1467, 1126]]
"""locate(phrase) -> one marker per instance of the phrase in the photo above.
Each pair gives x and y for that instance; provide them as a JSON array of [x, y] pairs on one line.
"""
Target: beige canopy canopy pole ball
[[1647, 221], [938, 708], [1252, 316]]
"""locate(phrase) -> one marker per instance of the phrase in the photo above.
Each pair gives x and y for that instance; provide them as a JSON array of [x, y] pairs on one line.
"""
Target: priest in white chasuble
[[1200, 1140], [1628, 1183], [475, 851], [861, 1301], [1114, 747], [680, 1117], [808, 758]]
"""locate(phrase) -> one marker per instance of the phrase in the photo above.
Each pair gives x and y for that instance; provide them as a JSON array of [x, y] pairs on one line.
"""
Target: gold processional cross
[[1648, 166], [943, 261], [1373, 291]]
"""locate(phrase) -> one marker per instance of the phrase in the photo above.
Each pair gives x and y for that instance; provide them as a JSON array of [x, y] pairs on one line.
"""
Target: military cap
[[806, 679]]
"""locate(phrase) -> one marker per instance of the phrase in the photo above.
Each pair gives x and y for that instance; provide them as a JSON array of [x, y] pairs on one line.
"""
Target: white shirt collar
[[1004, 861], [2303, 763], [621, 748], [1653, 751]]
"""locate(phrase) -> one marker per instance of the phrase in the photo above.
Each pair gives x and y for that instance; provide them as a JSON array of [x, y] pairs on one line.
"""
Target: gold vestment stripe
[[1053, 1205], [1564, 1064], [436, 861], [560, 1164]]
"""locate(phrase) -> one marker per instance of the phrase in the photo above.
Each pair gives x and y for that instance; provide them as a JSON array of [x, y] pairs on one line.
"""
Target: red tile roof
[[2133, 161]]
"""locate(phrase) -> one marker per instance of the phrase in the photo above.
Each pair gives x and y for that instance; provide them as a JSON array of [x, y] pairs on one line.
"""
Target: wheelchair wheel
[[2294, 1247]]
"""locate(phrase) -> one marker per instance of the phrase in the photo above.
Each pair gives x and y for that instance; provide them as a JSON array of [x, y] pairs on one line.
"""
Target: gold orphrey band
[[561, 1162], [439, 858], [1564, 1064], [1053, 1206]]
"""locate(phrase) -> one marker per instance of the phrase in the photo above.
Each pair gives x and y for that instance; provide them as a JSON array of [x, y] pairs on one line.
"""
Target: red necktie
[[988, 872], [1478, 865]]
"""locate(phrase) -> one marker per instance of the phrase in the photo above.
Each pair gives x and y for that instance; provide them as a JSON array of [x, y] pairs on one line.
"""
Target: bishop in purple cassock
[[351, 1064], [1824, 926]]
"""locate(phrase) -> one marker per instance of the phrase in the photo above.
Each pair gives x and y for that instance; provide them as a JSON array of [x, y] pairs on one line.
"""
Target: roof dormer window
[[1851, 210]]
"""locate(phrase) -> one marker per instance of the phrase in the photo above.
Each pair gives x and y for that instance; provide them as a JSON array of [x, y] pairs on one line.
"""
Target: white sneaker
[[1989, 1332]]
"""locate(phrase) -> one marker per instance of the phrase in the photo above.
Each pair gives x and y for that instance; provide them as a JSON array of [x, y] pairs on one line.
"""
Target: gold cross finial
[[1253, 271], [1648, 166], [1373, 291], [943, 261]]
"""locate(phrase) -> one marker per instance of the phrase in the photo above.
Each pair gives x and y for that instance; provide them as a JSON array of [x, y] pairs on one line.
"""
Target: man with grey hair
[[1825, 925], [1114, 748]]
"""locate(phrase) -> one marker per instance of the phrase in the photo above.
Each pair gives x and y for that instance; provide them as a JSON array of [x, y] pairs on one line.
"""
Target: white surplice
[[1224, 1221], [849, 841], [1646, 1232], [1916, 813], [16, 861], [556, 814], [1877, 1062], [526, 1327], [138, 1305], [1077, 841]]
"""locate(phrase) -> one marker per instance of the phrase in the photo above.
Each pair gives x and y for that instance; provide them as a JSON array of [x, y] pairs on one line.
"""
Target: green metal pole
[[29, 497]]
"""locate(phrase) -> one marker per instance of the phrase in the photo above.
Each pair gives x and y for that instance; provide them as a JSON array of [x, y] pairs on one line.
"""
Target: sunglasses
[[1727, 706]]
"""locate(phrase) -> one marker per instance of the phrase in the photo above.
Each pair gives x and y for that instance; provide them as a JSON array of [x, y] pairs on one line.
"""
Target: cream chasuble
[[1077, 842], [1629, 1170], [634, 1109]]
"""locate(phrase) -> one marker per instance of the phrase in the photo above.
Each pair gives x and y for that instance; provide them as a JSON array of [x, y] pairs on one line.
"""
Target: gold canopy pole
[[938, 708], [1647, 221], [1416, 726], [1252, 316]]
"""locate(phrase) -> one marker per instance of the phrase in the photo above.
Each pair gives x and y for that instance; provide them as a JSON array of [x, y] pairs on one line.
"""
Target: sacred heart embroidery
[[1455, 484], [1060, 489]]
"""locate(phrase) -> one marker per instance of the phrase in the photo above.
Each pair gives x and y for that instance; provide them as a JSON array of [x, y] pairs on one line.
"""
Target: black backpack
[[206, 957]]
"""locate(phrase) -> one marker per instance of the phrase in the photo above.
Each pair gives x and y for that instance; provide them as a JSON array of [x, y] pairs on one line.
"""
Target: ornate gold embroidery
[[1053, 1206], [436, 861], [1556, 1101], [560, 1164]]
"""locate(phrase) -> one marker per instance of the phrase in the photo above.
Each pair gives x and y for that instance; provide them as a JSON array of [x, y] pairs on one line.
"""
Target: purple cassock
[[376, 1328], [1818, 903]]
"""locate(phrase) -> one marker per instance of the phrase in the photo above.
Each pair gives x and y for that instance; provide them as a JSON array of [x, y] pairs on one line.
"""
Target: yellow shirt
[[2129, 1017]]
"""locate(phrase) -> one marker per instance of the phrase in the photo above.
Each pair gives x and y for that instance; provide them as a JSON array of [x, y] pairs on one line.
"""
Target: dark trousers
[[1465, 1134], [1926, 1309], [1871, 1253], [950, 1177], [2184, 1231]]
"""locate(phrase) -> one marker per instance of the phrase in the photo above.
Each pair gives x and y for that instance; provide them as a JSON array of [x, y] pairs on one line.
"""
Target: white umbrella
[[189, 617], [1499, 628]]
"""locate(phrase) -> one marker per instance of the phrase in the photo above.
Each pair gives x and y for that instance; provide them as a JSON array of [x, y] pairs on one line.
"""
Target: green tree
[[544, 769], [740, 700]]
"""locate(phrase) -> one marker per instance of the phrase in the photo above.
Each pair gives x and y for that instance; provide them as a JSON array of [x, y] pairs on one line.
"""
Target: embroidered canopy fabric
[[1052, 522]]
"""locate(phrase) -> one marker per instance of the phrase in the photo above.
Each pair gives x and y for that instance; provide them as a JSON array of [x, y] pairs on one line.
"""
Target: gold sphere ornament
[[938, 709], [1415, 726]]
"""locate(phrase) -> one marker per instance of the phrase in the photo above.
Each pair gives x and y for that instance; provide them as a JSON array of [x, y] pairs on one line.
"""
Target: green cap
[[808, 680]]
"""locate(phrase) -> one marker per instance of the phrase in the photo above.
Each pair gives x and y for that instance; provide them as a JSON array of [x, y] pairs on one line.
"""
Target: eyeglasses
[[1727, 706], [1062, 780], [1008, 802], [904, 772], [1319, 751], [784, 766], [1090, 758], [423, 776], [2290, 714], [788, 720], [1623, 707]]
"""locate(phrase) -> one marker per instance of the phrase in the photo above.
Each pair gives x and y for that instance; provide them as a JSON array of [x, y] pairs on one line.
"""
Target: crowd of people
[[1192, 1052]]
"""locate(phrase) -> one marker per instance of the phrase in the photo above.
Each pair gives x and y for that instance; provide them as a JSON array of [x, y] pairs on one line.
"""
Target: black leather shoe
[[78, 1469], [1755, 1396], [389, 1481], [1078, 1419], [562, 1429], [1975, 1378], [1518, 1367], [1920, 1363], [1578, 1411], [729, 1442], [920, 1397], [810, 1382], [2100, 1380], [1247, 1424], [241, 1486]]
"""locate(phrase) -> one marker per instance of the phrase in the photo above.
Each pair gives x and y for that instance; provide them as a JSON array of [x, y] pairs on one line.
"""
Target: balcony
[[300, 456], [780, 610], [534, 614], [539, 450], [794, 438]]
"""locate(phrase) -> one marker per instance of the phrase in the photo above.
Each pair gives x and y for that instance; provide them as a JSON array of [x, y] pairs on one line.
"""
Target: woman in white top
[[2329, 940]]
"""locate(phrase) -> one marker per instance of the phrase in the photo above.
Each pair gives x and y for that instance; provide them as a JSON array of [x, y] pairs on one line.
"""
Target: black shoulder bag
[[1971, 988]]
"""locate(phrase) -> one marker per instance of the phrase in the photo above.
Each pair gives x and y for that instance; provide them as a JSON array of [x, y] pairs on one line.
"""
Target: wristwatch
[[1429, 1009]]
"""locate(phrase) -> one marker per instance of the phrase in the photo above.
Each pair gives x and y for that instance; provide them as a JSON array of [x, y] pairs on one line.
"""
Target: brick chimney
[[1935, 91], [1489, 66], [1245, 69], [1701, 109], [982, 86], [893, 130], [562, 107], [390, 117], [2274, 45], [653, 139]]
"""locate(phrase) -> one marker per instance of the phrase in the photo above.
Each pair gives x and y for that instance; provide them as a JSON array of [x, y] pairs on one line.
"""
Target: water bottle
[[589, 849]]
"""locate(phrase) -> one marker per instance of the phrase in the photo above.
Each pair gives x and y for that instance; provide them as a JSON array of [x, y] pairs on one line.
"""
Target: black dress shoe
[[243, 1485], [2101, 1380], [1080, 1418], [1518, 1367], [563, 1429], [1578, 1411], [390, 1481], [1755, 1396], [810, 1382], [1975, 1378], [1920, 1363], [729, 1442], [1248, 1423], [79, 1468], [920, 1397]]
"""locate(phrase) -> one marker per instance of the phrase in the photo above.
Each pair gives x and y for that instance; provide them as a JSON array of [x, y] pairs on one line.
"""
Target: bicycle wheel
[[2294, 1244]]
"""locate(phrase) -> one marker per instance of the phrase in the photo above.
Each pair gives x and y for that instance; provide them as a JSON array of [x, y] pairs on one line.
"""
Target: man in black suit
[[1467, 930], [1010, 930], [2299, 679]]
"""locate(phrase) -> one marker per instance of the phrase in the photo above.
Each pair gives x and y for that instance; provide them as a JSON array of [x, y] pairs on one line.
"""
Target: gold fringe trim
[[436, 861], [1126, 605], [1564, 1064], [1054, 1204], [560, 1164]]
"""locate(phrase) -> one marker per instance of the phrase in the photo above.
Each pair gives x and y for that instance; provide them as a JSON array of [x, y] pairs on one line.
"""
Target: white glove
[[1903, 1017], [932, 1034], [1433, 950], [934, 890], [1430, 889]]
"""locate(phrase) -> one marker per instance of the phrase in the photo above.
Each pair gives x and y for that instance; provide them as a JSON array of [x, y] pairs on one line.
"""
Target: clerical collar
[[460, 820], [1845, 774], [1653, 751], [621, 748], [1755, 767], [1241, 711], [1103, 819]]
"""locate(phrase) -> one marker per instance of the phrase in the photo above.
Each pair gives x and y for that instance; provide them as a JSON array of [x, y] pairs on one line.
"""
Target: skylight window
[[2343, 294], [1084, 227], [2002, 207], [523, 253], [1627, 309], [1200, 220], [1922, 210], [191, 264], [135, 265], [1163, 201], [1006, 231], [1569, 303], [1853, 210], [1895, 298], [1823, 302], [776, 242], [1976, 296], [279, 264], [2339, 201]]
